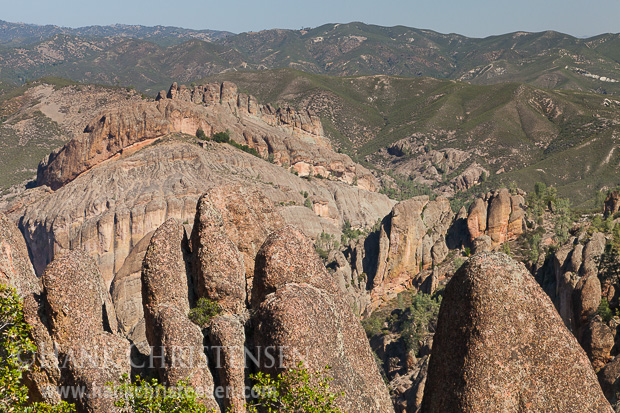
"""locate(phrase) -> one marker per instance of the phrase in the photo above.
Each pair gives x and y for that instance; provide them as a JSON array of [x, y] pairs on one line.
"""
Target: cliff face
[[112, 210], [288, 138]]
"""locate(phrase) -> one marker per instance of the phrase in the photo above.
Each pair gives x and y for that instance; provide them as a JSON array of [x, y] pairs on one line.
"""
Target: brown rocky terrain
[[499, 215], [491, 352], [293, 140], [170, 285]]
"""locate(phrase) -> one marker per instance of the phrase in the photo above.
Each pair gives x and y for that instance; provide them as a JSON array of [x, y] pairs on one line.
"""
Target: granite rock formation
[[412, 238], [293, 140], [497, 214], [297, 306], [491, 352], [83, 324]]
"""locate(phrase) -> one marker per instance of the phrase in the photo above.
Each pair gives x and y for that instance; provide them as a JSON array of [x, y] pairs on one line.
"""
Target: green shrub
[[221, 137], [203, 312], [604, 311], [420, 319], [245, 148], [200, 134], [15, 344], [149, 396]]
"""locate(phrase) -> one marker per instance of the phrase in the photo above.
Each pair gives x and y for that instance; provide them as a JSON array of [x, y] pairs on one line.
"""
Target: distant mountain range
[[21, 34], [150, 57]]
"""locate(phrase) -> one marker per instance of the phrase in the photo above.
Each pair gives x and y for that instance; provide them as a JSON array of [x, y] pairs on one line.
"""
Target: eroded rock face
[[490, 351], [218, 268], [83, 322], [412, 238], [282, 259], [109, 210], [165, 296], [294, 140], [16, 271], [298, 306], [499, 215]]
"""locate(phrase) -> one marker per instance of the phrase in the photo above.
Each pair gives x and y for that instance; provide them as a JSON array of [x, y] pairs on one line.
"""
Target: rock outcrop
[[83, 326], [174, 339], [491, 352], [412, 238], [499, 215], [109, 210], [293, 140], [297, 306], [612, 204], [16, 271]]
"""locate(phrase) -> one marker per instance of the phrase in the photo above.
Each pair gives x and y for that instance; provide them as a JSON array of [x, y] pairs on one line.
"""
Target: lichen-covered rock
[[174, 339], [298, 318], [288, 256], [243, 215], [219, 268], [297, 307], [83, 324], [492, 353]]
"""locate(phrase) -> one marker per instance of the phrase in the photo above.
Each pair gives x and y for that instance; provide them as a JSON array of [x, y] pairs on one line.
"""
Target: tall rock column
[[177, 343], [219, 275]]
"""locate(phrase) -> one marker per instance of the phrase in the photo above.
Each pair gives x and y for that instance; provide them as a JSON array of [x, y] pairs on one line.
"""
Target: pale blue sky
[[478, 18]]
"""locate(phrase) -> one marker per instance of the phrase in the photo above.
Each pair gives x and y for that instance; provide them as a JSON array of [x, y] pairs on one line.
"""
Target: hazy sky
[[476, 18]]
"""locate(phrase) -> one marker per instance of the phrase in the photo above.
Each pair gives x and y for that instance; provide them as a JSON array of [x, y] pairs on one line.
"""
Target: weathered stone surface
[[247, 217], [498, 215], [288, 256], [598, 340], [16, 271], [293, 139], [297, 318], [477, 218], [169, 331], [83, 324], [227, 336], [412, 238], [482, 244], [586, 299], [491, 352], [108, 210], [297, 307], [609, 378], [219, 268]]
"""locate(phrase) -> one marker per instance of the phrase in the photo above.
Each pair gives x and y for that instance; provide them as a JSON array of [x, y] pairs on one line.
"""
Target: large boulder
[[500, 345], [301, 314], [83, 325]]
